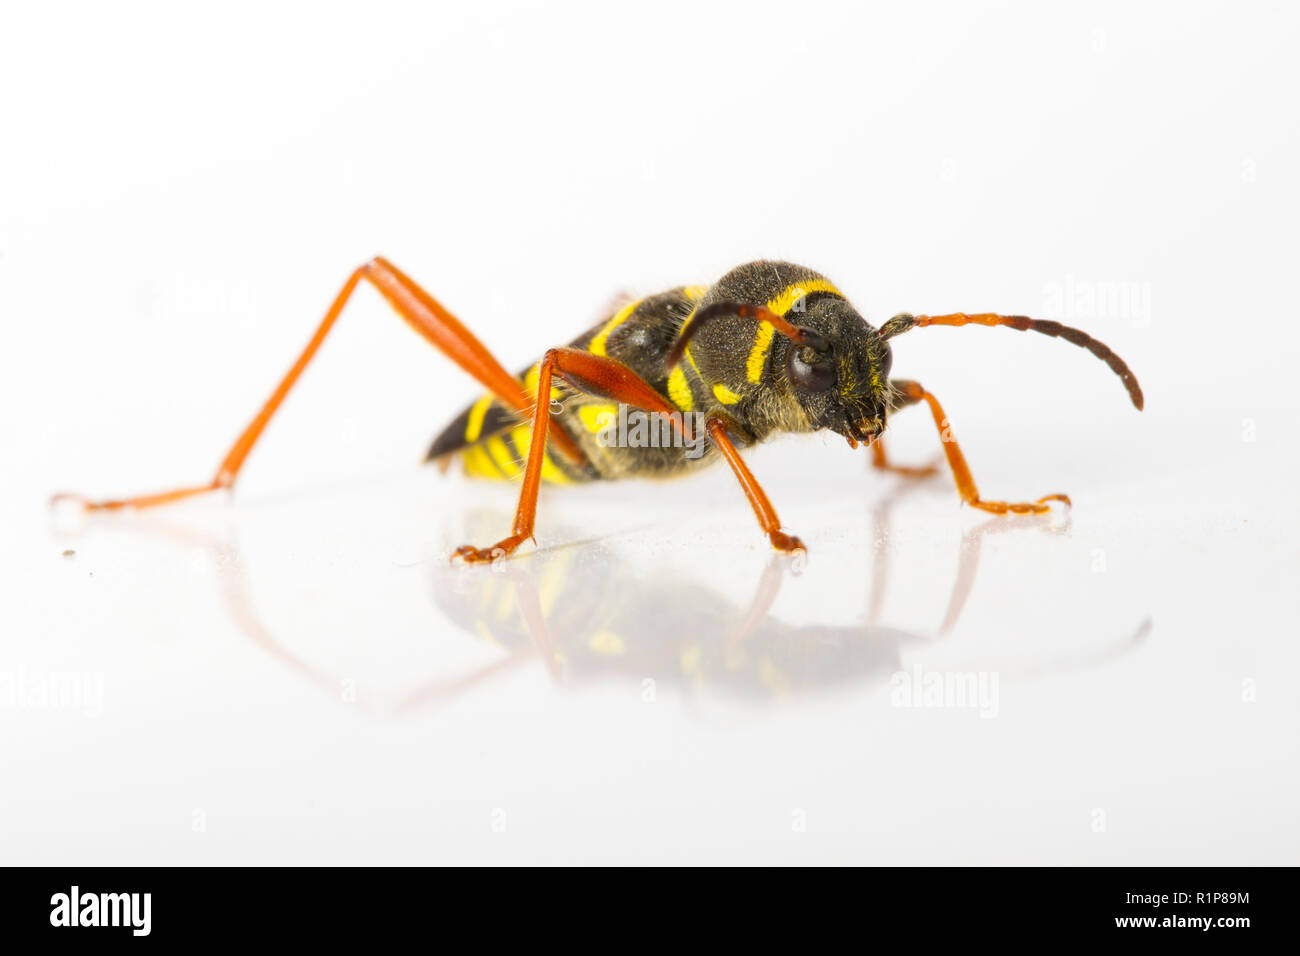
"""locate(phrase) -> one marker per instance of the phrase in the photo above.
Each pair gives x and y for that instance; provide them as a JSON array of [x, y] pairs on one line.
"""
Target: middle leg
[[593, 374]]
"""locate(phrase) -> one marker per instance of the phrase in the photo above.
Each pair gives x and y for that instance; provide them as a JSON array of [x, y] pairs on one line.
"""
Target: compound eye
[[811, 369]]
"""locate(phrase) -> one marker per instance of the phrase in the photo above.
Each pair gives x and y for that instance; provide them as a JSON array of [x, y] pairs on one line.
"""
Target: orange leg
[[423, 313], [592, 374], [881, 462], [767, 518], [957, 461]]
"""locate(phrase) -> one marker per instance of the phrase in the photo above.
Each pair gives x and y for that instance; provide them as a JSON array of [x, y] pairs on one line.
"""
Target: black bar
[[210, 905]]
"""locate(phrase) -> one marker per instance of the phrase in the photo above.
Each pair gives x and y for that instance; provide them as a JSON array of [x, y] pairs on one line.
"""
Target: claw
[[1021, 508], [472, 555], [786, 543]]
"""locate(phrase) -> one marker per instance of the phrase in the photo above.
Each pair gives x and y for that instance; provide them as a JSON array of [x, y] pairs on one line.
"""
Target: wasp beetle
[[769, 348]]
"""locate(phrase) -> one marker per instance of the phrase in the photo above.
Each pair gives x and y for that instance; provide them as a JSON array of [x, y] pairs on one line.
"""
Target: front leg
[[767, 518], [880, 461], [957, 461]]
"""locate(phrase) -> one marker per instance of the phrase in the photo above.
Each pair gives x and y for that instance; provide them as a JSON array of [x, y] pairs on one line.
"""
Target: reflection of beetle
[[603, 624], [601, 621], [597, 620]]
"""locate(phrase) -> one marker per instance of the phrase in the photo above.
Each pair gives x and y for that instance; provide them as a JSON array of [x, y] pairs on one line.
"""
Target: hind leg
[[425, 314]]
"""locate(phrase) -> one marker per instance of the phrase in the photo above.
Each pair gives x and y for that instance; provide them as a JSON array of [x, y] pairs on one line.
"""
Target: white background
[[298, 675]]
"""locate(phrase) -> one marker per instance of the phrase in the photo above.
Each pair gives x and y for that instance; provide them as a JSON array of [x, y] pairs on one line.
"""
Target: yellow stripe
[[725, 395], [594, 417], [551, 471], [474, 427], [484, 632], [758, 354], [771, 675], [607, 642], [533, 379], [496, 447], [691, 358], [597, 346], [522, 436], [478, 464], [695, 293], [782, 304], [680, 391], [505, 604], [556, 574]]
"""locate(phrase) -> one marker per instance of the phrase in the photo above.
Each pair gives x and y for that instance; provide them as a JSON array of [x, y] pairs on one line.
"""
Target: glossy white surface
[[300, 676]]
